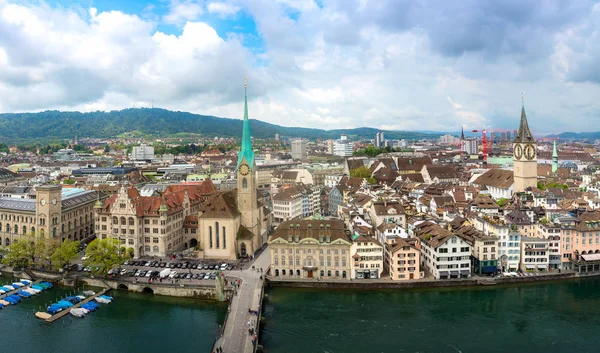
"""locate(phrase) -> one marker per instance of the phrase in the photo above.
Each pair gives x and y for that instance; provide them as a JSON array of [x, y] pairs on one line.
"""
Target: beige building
[[367, 257], [56, 212], [311, 249], [535, 254], [153, 225], [524, 157], [404, 260]]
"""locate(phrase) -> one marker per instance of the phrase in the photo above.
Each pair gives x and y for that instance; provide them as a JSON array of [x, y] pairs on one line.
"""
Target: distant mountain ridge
[[57, 125]]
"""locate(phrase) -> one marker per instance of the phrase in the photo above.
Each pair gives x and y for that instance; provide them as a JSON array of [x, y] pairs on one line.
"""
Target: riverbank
[[425, 283]]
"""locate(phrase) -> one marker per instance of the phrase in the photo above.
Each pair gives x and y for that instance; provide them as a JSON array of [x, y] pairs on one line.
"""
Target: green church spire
[[554, 159], [246, 151]]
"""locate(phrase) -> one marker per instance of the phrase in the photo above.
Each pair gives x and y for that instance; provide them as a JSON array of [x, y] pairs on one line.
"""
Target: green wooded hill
[[56, 125]]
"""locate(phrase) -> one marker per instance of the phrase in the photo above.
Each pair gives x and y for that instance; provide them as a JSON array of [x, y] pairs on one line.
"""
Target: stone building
[[153, 225], [311, 249], [56, 212]]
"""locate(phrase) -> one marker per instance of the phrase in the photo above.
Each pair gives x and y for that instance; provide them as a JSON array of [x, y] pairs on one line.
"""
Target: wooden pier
[[17, 290], [68, 310]]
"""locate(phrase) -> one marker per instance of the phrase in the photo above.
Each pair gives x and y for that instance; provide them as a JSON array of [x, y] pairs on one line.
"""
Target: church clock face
[[529, 152], [244, 169], [518, 151]]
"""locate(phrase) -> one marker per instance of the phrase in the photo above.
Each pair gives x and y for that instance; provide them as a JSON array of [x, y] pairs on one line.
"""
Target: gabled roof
[[221, 205], [442, 172], [499, 178], [335, 228]]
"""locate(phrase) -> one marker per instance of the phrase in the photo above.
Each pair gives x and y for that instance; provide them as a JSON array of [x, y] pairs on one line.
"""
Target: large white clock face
[[43, 202], [529, 152], [244, 169], [518, 152]]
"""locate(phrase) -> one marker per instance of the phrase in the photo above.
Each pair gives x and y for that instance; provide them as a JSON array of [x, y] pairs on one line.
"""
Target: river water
[[131, 323], [549, 317]]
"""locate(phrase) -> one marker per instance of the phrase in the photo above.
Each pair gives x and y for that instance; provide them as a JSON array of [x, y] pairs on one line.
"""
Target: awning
[[541, 266], [465, 272], [443, 273], [309, 268], [529, 266], [454, 273], [591, 257]]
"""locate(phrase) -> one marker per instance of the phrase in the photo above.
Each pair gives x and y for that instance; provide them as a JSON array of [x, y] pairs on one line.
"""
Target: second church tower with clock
[[524, 157]]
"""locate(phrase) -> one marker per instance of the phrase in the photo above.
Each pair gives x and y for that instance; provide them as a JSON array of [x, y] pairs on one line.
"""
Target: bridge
[[235, 336]]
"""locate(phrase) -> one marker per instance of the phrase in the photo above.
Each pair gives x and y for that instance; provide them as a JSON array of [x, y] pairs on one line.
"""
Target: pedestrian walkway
[[236, 338]]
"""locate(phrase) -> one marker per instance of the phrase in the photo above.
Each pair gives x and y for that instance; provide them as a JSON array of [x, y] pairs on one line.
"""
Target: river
[[131, 323], [549, 317]]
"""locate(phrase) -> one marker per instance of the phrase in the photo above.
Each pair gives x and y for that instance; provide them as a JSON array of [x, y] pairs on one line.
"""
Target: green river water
[[549, 317], [131, 323]]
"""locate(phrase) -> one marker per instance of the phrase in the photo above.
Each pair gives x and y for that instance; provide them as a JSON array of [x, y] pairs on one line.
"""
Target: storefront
[[366, 274]]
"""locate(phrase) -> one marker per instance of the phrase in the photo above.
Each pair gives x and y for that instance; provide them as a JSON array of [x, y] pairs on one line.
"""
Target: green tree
[[501, 202], [130, 252], [104, 253], [69, 181], [361, 172], [28, 250], [64, 253]]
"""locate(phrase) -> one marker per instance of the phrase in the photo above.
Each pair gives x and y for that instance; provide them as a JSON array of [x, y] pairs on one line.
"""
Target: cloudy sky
[[390, 64]]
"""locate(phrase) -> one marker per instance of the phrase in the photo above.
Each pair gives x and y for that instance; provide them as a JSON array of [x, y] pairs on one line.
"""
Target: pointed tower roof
[[554, 151], [524, 134], [462, 133], [246, 151]]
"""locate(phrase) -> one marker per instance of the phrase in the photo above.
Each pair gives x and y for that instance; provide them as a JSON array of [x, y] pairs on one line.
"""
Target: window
[[147, 248], [217, 234], [155, 240], [244, 183], [147, 240], [283, 260], [210, 237], [155, 248], [224, 239]]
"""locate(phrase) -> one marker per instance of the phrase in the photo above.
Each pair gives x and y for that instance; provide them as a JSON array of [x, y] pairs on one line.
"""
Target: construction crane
[[484, 144]]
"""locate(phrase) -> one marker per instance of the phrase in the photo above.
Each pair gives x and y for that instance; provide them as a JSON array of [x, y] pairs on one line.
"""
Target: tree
[[103, 253], [64, 253], [360, 172], [28, 250], [501, 202]]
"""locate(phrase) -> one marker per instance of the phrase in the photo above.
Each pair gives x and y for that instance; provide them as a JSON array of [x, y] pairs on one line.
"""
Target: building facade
[[310, 249]]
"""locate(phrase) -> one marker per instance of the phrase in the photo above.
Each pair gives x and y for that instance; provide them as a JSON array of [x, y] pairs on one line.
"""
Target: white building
[[332, 180], [295, 201], [552, 233], [142, 153], [470, 146], [299, 149], [444, 254], [535, 254], [509, 241], [367, 257], [342, 148], [449, 139]]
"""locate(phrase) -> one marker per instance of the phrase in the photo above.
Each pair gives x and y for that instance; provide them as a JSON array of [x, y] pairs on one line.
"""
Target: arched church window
[[244, 183]]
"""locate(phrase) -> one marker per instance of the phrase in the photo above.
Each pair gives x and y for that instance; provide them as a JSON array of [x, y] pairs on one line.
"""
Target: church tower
[[246, 168], [554, 159], [524, 156]]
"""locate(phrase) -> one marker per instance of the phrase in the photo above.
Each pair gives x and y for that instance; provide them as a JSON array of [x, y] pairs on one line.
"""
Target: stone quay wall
[[416, 284], [186, 291]]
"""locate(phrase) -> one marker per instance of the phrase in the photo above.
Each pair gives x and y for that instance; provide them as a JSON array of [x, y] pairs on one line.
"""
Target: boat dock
[[18, 289], [66, 311]]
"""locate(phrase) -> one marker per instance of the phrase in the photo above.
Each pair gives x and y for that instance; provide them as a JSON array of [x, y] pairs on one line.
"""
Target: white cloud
[[222, 8], [343, 63], [181, 11]]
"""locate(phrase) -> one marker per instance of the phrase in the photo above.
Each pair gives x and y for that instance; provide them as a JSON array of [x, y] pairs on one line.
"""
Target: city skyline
[[326, 64]]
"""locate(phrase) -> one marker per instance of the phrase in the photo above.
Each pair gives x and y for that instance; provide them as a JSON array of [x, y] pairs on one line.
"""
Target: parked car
[[213, 275], [207, 276], [229, 267], [173, 274], [188, 276], [163, 264], [223, 267]]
